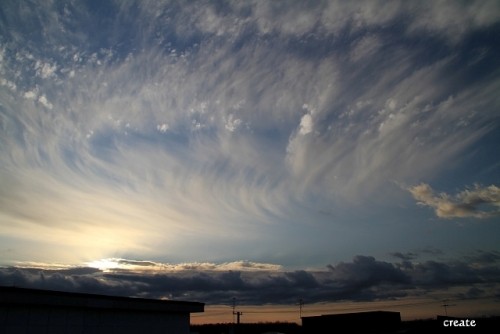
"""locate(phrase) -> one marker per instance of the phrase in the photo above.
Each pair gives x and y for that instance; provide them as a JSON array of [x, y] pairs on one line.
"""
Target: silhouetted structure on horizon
[[248, 328], [44, 311], [362, 322]]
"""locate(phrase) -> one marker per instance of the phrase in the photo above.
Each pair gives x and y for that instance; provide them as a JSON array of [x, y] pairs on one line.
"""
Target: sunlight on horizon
[[409, 308], [105, 264]]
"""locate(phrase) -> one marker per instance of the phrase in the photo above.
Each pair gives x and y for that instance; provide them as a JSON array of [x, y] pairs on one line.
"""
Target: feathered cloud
[[478, 202], [168, 125]]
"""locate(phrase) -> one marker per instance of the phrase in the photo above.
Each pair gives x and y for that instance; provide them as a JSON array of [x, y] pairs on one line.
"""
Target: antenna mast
[[445, 305]]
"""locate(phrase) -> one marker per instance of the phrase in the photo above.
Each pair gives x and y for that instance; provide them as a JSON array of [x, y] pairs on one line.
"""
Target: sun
[[105, 264]]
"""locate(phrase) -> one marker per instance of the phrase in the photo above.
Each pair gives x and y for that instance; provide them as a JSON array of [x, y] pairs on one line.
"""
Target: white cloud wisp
[[467, 203]]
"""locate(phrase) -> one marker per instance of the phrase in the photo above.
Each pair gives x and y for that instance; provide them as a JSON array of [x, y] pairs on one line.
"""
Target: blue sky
[[281, 137]]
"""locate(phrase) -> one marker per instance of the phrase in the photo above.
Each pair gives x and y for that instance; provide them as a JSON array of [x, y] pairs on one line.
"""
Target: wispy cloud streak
[[165, 124]]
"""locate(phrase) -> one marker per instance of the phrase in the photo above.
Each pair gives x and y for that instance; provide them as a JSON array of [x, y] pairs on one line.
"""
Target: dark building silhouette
[[248, 328], [43, 311], [362, 322]]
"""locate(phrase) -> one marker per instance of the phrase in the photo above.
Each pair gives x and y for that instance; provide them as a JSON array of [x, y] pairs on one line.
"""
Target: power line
[[328, 308]]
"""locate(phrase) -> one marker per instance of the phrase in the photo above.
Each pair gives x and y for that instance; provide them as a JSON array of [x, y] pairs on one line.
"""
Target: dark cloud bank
[[363, 279]]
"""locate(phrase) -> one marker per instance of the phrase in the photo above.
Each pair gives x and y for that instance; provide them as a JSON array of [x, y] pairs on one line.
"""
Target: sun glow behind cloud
[[116, 264]]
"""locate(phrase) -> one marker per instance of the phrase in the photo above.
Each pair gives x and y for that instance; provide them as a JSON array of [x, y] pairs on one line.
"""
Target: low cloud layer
[[478, 202], [362, 279]]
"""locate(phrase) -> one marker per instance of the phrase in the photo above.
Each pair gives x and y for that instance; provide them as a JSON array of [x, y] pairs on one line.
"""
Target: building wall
[[53, 320], [354, 323]]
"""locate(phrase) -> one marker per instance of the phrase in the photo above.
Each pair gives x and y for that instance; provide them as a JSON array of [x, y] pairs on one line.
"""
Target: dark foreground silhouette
[[482, 325]]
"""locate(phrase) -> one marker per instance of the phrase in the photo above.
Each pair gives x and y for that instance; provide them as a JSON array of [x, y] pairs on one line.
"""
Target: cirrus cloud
[[164, 129]]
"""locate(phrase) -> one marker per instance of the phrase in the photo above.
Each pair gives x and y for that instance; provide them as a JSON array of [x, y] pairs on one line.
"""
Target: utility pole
[[234, 307], [301, 303], [238, 314]]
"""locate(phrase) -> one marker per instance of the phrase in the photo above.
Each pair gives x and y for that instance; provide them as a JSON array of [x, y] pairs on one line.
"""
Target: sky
[[259, 152]]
